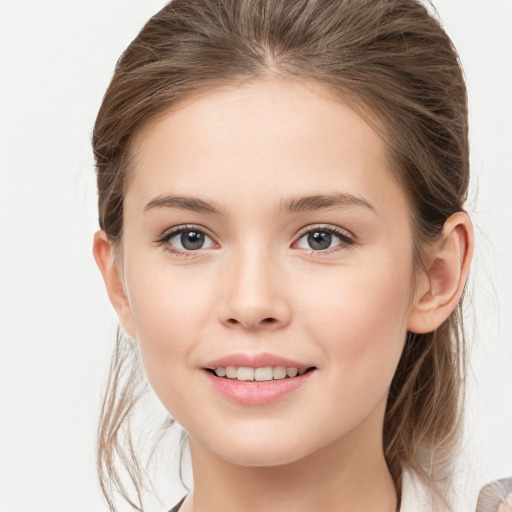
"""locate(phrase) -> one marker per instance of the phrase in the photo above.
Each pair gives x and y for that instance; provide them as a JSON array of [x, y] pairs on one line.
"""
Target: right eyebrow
[[184, 203]]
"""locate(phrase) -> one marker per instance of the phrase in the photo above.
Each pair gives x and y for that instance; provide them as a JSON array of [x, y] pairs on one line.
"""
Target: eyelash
[[169, 235], [346, 239]]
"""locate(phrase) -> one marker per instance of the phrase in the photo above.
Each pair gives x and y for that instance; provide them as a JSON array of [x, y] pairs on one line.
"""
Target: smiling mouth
[[262, 374]]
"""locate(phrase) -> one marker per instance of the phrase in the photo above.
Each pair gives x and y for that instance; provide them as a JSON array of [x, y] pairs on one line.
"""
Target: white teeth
[[291, 372], [279, 372], [262, 374], [221, 372], [231, 372], [245, 373]]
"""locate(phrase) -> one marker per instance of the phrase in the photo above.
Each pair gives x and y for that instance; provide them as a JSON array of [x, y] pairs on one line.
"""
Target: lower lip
[[257, 393]]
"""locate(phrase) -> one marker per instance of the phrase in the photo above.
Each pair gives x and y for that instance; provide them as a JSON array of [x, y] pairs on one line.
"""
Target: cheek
[[168, 321], [361, 323]]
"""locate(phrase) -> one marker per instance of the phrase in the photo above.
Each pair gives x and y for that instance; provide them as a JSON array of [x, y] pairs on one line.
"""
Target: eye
[[186, 239], [324, 238]]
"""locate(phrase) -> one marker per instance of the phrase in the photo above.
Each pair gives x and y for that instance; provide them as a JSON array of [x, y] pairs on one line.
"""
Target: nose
[[253, 294]]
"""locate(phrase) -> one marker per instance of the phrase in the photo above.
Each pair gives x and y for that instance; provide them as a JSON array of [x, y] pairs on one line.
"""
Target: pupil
[[192, 240], [319, 240]]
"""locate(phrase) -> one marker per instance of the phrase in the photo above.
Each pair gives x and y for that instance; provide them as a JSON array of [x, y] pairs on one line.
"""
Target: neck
[[347, 475]]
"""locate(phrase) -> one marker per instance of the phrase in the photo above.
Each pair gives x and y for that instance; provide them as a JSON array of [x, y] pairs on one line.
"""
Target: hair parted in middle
[[394, 64]]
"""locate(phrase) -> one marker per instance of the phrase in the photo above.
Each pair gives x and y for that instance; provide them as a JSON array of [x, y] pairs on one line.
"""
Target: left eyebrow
[[318, 202]]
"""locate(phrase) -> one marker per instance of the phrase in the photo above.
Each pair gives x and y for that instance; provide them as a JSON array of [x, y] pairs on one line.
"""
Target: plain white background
[[56, 325]]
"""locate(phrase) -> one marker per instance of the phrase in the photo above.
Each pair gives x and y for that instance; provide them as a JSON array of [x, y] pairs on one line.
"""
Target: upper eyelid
[[178, 229], [326, 227]]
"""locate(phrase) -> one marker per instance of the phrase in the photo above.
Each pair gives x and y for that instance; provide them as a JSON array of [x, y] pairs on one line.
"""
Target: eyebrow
[[319, 202], [193, 204], [292, 205]]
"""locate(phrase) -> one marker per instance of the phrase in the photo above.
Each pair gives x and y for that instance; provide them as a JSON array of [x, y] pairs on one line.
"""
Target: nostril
[[253, 322], [269, 320]]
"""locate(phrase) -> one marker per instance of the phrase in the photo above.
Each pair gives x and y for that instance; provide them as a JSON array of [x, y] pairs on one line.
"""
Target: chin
[[261, 452], [261, 458]]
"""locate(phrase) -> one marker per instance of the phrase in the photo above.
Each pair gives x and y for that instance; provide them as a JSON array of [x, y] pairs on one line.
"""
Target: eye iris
[[319, 240], [192, 239]]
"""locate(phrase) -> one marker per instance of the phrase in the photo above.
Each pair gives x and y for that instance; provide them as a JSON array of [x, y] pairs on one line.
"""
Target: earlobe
[[104, 257], [441, 289]]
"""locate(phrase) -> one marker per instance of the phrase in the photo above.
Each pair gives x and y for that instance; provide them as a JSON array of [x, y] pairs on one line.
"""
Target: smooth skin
[[259, 284]]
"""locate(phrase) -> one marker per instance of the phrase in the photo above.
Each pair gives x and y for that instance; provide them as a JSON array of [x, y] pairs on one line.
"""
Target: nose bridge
[[254, 296]]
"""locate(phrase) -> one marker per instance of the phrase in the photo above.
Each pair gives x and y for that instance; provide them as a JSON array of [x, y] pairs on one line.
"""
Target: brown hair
[[393, 62]]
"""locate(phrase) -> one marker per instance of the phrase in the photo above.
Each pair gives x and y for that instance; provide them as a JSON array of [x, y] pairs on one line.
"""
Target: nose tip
[[252, 297]]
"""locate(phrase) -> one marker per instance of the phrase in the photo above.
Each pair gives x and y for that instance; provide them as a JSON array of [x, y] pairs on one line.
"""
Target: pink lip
[[256, 393], [255, 361]]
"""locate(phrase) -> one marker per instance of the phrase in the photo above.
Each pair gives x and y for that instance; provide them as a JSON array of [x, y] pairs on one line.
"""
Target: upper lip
[[254, 361]]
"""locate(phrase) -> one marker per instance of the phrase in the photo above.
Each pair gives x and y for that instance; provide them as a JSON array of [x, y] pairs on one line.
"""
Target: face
[[265, 234]]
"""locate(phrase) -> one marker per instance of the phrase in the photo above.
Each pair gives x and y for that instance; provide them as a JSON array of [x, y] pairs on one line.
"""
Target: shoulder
[[495, 496]]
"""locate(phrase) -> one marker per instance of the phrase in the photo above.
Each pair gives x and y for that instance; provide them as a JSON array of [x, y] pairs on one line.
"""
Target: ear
[[104, 256], [439, 292]]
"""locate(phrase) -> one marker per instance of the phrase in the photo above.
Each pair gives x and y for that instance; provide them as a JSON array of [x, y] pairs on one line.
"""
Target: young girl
[[282, 231]]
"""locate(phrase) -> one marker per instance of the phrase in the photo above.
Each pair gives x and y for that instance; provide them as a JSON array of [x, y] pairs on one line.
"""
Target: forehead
[[265, 139]]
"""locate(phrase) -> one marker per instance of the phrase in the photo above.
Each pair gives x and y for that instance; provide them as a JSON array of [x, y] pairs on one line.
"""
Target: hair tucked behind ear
[[392, 62]]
